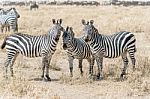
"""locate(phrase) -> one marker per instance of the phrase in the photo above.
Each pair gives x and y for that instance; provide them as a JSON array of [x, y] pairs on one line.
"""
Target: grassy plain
[[108, 20]]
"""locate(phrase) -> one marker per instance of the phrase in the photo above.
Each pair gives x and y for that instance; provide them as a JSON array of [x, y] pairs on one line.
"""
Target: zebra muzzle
[[57, 39], [86, 39], [64, 46]]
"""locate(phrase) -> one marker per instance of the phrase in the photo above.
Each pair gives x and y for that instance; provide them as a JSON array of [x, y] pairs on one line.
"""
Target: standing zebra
[[9, 19], [33, 46], [77, 48], [3, 12], [34, 5], [110, 46]]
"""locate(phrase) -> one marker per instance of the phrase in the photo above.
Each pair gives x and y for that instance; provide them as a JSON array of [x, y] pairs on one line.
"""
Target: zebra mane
[[27, 35], [95, 29]]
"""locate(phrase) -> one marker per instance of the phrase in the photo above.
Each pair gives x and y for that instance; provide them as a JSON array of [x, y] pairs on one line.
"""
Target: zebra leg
[[91, 64], [9, 61], [80, 66], [5, 28], [125, 61], [12, 63], [43, 66], [99, 61], [71, 65], [132, 56], [47, 68], [16, 27], [8, 28], [13, 28], [2, 28]]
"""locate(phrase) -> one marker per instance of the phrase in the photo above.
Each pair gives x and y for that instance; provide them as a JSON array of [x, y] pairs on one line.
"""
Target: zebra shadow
[[41, 79]]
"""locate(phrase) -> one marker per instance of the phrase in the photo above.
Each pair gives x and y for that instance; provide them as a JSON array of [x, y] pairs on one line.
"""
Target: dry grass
[[108, 19]]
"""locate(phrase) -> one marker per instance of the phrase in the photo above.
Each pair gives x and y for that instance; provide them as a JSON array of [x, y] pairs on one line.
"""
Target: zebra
[[9, 19], [111, 46], [33, 46], [34, 5], [77, 48], [2, 11]]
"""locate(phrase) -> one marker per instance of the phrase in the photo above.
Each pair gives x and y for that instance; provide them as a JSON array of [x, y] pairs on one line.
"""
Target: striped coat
[[77, 48], [33, 46], [111, 46]]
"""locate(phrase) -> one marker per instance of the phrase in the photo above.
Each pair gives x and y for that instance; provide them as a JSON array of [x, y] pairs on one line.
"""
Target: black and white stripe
[[77, 48], [9, 19], [111, 46], [33, 46]]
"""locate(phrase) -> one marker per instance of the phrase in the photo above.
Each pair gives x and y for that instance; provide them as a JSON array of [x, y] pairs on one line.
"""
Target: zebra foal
[[77, 48], [33, 46], [111, 46]]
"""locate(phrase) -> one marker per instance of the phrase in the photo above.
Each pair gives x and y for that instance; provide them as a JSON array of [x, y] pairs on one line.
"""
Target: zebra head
[[55, 31], [2, 11], [88, 30], [68, 37], [13, 12]]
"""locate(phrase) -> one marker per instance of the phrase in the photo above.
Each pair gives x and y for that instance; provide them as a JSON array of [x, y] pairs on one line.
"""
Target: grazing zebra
[[34, 5], [33, 46], [77, 48], [9, 19], [110, 46]]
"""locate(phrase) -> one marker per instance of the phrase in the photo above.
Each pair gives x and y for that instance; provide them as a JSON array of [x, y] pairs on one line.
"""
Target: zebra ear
[[67, 28], [57, 21], [71, 29], [91, 22], [53, 20], [87, 22], [83, 21], [60, 21]]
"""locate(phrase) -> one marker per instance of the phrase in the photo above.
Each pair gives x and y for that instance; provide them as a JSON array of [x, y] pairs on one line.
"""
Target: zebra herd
[[93, 46]]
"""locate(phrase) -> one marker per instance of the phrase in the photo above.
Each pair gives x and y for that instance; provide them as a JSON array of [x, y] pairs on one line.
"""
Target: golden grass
[[108, 19]]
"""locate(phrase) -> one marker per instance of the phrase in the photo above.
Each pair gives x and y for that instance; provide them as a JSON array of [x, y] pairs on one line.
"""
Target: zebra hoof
[[48, 78], [71, 75], [122, 78], [82, 74], [98, 77], [90, 76]]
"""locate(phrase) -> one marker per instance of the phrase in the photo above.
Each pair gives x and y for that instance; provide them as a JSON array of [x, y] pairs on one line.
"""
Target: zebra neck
[[96, 39], [73, 45], [51, 38]]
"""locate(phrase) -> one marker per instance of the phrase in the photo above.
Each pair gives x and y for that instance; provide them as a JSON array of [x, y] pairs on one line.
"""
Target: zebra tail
[[135, 50], [4, 43]]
